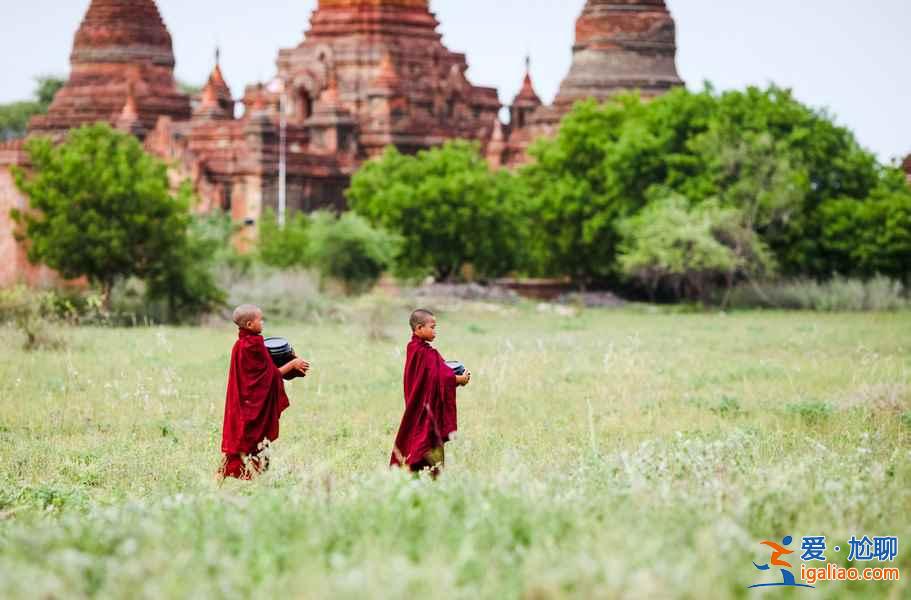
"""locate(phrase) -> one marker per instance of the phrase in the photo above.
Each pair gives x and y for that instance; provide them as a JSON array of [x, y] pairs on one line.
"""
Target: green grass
[[605, 455]]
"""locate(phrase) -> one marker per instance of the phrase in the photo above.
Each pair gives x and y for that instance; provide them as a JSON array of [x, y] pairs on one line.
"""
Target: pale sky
[[848, 56]]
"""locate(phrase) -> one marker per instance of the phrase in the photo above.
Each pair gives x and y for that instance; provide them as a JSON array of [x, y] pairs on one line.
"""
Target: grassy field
[[622, 454]]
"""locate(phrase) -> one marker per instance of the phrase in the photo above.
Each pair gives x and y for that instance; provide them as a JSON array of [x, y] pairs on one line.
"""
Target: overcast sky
[[851, 57]]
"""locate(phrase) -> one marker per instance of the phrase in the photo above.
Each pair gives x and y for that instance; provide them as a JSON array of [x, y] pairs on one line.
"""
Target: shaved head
[[245, 313], [419, 317]]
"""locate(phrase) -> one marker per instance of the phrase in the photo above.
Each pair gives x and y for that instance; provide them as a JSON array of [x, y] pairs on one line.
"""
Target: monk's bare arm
[[298, 364]]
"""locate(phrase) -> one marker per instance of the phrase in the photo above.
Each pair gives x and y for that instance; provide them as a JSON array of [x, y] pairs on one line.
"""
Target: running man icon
[[787, 578]]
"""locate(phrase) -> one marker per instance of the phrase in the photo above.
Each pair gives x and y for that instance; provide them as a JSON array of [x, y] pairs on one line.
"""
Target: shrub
[[284, 247], [689, 249], [839, 294], [289, 294], [349, 250], [812, 412], [33, 313], [728, 406]]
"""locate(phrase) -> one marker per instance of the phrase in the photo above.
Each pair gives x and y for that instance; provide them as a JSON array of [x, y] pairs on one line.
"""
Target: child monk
[[430, 400], [255, 398]]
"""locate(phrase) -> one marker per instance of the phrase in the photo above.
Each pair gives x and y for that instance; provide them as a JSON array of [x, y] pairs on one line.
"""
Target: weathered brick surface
[[14, 266]]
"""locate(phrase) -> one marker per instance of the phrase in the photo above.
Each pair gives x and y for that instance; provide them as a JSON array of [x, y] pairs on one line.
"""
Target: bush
[[838, 294], [349, 250], [289, 294], [688, 249], [34, 313], [811, 412], [284, 247]]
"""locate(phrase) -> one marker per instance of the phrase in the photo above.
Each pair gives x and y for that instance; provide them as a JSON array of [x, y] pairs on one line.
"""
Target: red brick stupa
[[621, 45], [122, 68]]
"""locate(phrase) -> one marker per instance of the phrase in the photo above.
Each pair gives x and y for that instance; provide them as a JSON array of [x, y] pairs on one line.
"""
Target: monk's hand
[[464, 378], [302, 366]]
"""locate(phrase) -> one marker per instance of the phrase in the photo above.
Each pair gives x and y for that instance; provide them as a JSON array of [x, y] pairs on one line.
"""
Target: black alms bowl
[[280, 350], [457, 367]]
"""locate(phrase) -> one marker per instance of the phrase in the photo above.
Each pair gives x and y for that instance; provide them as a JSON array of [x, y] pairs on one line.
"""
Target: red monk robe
[[253, 404], [430, 407]]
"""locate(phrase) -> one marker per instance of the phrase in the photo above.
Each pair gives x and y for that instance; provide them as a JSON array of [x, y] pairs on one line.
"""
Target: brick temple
[[368, 74]]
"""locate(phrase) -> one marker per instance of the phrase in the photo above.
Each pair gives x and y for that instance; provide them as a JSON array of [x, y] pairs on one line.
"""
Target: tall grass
[[604, 455]]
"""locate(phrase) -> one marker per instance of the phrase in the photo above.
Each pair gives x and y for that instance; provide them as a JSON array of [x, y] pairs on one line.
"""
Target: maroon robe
[[430, 405], [253, 404]]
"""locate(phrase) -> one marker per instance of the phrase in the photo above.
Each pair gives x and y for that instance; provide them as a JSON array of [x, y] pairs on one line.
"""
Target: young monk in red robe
[[255, 398], [430, 400]]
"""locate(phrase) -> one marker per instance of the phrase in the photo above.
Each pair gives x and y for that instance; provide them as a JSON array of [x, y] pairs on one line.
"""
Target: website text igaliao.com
[[835, 573]]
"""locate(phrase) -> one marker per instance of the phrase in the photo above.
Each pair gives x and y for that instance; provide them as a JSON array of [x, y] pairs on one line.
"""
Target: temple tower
[[122, 67], [621, 45]]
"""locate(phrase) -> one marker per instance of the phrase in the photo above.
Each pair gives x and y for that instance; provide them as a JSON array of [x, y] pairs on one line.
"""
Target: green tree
[[14, 117], [447, 205], [760, 151], [873, 236], [100, 207], [598, 171]]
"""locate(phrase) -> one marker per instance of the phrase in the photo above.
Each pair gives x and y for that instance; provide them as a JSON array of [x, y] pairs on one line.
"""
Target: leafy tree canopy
[[447, 205]]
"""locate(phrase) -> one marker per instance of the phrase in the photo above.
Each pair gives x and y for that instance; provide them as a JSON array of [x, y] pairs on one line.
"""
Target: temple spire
[[217, 101], [527, 96]]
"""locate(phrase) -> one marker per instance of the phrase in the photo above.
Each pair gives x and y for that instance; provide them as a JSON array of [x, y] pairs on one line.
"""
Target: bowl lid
[[277, 343]]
